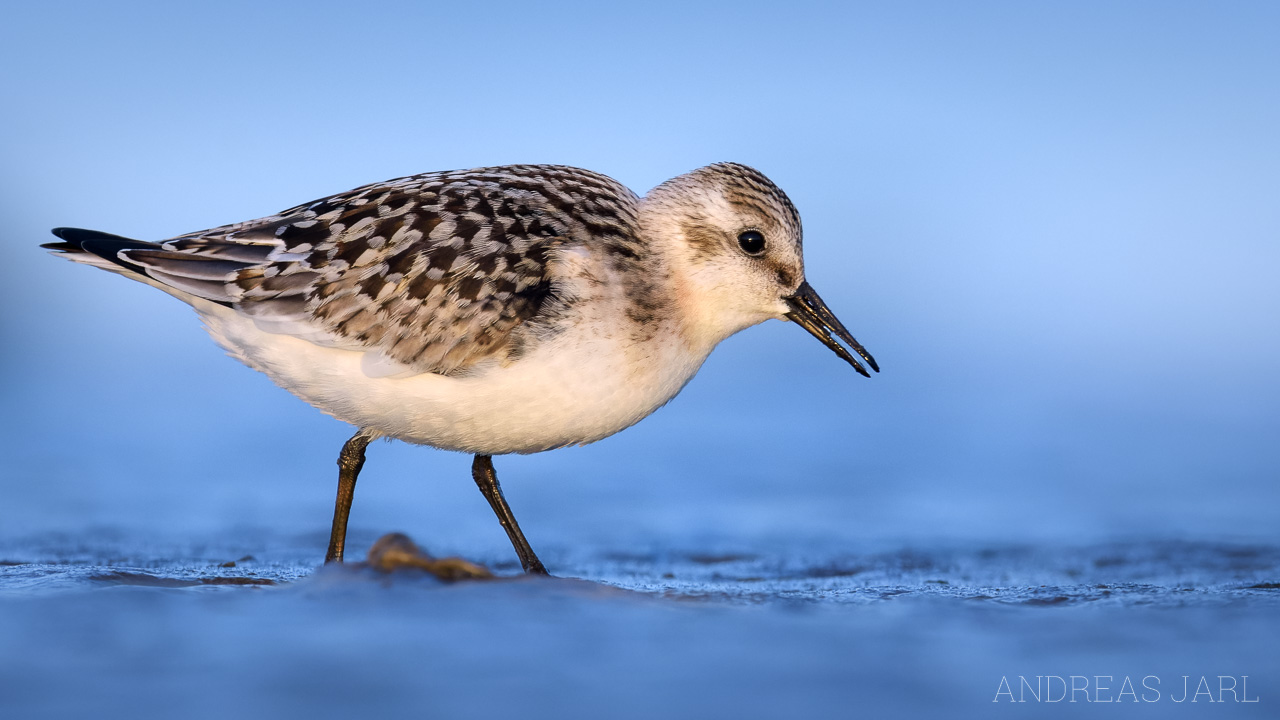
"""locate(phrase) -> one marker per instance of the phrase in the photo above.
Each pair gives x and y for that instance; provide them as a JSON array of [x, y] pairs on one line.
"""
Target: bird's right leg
[[350, 460], [487, 480]]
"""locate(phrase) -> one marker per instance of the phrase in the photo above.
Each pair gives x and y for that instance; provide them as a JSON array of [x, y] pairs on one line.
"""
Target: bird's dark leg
[[487, 480], [350, 460]]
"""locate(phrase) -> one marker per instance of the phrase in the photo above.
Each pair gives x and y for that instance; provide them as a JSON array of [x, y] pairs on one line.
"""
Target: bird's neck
[[700, 305]]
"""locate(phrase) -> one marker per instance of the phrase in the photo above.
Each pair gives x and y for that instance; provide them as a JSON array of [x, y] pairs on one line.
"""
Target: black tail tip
[[74, 239], [79, 235], [67, 245]]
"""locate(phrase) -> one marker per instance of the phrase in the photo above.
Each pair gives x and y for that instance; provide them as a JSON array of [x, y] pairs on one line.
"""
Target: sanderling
[[498, 310]]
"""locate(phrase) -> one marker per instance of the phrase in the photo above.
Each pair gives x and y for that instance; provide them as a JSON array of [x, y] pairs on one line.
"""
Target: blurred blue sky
[[1057, 229]]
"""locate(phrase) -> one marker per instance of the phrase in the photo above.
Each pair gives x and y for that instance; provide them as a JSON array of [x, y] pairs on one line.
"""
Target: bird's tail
[[98, 249], [111, 253]]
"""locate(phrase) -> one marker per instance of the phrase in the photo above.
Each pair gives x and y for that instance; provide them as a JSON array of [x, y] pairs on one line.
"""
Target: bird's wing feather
[[432, 272]]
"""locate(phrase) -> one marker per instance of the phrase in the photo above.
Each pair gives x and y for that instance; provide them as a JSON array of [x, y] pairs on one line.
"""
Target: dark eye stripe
[[751, 242]]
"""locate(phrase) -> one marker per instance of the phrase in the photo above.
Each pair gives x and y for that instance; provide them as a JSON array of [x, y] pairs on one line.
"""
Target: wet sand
[[112, 625]]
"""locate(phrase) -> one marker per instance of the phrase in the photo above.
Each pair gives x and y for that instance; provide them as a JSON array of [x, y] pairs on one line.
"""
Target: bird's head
[[735, 243]]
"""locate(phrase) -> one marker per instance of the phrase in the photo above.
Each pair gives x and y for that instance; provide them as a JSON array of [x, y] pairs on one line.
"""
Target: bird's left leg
[[350, 460]]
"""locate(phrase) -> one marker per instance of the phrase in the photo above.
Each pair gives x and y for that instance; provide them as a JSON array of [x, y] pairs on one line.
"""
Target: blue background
[[1057, 229]]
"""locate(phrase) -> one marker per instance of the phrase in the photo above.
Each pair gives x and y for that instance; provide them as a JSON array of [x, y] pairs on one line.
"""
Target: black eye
[[751, 242]]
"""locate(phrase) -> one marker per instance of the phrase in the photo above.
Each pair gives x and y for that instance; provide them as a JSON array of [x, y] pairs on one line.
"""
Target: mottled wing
[[432, 272]]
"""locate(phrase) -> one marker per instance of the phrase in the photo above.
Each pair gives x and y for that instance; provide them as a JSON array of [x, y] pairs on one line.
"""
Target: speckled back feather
[[436, 271]]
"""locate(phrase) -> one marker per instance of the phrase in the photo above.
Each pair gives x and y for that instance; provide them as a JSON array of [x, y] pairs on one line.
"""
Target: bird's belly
[[580, 387]]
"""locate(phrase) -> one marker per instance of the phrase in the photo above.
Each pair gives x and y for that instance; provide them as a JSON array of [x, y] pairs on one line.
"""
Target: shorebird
[[497, 310]]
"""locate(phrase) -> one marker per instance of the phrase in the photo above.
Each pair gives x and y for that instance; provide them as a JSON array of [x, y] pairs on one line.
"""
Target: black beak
[[809, 312]]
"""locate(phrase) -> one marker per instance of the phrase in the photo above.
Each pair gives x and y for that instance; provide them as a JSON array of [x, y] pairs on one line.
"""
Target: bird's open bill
[[809, 312]]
